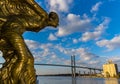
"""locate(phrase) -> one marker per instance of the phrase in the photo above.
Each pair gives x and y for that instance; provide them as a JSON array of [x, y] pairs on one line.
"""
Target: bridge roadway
[[69, 66], [66, 66]]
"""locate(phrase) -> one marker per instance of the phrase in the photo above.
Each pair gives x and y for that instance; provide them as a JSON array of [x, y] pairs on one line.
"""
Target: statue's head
[[53, 19]]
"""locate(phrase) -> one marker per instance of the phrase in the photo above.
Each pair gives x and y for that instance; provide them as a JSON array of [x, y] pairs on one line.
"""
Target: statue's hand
[[53, 19]]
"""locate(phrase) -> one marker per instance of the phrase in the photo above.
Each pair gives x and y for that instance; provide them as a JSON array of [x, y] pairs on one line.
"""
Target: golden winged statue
[[16, 17]]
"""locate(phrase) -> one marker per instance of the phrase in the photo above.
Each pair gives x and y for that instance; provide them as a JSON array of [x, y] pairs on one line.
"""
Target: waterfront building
[[110, 69]]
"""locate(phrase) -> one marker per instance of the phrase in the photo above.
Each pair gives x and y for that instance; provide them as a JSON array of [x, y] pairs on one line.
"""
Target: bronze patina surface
[[16, 17]]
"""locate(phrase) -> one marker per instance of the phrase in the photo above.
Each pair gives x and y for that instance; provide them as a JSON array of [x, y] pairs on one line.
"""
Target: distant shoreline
[[78, 75]]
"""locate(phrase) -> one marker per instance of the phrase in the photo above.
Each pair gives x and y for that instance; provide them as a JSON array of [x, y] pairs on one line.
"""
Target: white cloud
[[110, 44], [52, 37], [96, 34], [95, 8], [75, 41], [115, 59], [59, 5], [74, 23], [49, 53], [32, 44], [84, 54], [86, 58]]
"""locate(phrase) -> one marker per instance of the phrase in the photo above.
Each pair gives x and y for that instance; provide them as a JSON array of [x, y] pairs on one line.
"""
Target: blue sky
[[88, 29]]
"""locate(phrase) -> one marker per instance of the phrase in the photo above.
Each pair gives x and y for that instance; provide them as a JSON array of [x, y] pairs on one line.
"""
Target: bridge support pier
[[73, 69]]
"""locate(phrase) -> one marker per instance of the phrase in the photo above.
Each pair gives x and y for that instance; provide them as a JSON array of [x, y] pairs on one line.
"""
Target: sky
[[88, 29]]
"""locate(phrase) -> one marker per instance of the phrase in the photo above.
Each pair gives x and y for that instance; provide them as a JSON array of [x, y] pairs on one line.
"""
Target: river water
[[68, 80]]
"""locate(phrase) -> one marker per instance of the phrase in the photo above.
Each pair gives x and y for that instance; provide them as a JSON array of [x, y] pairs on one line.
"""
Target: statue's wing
[[2, 21], [5, 4], [36, 8]]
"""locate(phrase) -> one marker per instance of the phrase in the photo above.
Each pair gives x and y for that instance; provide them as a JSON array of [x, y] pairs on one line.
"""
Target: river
[[68, 80]]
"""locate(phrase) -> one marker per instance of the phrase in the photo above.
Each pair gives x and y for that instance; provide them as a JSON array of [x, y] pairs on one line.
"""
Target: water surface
[[68, 80]]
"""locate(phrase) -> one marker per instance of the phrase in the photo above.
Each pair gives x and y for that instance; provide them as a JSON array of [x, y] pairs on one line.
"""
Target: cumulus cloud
[[95, 8], [84, 54], [85, 58], [75, 41], [110, 44], [52, 37], [49, 53], [96, 34], [59, 5], [74, 23], [32, 44], [115, 59]]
